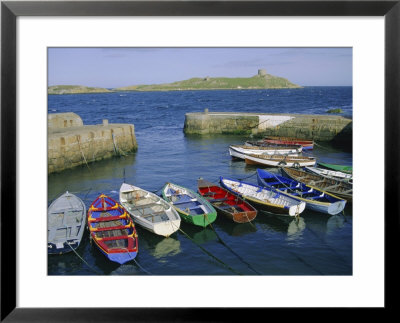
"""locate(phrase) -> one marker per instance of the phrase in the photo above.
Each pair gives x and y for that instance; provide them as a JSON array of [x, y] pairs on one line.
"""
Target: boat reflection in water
[[334, 222], [166, 247], [295, 228], [237, 229], [203, 236], [283, 224]]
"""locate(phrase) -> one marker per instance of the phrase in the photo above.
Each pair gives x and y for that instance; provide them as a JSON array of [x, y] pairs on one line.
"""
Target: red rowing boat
[[307, 144], [226, 203]]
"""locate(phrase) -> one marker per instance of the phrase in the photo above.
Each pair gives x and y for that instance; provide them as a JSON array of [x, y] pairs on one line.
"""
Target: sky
[[118, 67]]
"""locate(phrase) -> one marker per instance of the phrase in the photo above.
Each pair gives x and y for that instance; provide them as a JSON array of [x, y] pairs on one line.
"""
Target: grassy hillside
[[74, 89], [256, 82]]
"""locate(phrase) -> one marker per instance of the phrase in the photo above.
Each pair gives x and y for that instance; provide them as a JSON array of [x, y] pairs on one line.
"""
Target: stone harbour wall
[[301, 126], [70, 146]]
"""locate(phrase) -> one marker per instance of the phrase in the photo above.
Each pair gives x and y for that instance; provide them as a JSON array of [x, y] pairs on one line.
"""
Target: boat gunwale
[[162, 203], [202, 215], [252, 212], [312, 201]]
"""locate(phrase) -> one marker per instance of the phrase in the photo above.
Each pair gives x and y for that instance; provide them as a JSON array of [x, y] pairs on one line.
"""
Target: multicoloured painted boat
[[112, 230], [315, 199], [66, 219], [307, 144], [264, 198], [192, 207], [149, 210], [227, 203], [280, 160], [341, 168]]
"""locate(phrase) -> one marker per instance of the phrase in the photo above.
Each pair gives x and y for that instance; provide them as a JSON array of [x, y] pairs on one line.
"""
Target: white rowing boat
[[149, 210], [241, 151], [332, 174], [280, 160], [264, 199]]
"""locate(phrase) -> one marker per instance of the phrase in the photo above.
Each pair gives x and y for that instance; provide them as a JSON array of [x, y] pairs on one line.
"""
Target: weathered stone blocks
[[316, 127], [72, 146]]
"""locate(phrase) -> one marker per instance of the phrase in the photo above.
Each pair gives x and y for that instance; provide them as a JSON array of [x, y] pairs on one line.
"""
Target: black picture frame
[[10, 10]]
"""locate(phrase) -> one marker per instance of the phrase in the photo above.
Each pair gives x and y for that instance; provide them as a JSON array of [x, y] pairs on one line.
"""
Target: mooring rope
[[240, 179], [209, 253], [157, 190], [83, 155], [90, 189], [320, 146], [344, 216], [117, 150], [148, 273], [97, 272], [258, 124], [287, 187], [230, 249]]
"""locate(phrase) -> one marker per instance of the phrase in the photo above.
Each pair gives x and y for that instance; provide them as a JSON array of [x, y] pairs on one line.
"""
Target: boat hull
[[264, 199], [112, 230], [328, 203], [341, 168], [66, 218], [279, 161], [306, 144], [192, 207], [226, 203], [241, 152], [54, 249], [336, 187], [149, 211], [331, 174]]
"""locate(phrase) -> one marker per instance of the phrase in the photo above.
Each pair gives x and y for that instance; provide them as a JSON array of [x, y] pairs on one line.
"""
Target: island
[[260, 81], [75, 89]]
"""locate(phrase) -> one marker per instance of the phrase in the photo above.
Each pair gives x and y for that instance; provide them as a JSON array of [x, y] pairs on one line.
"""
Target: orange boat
[[307, 144]]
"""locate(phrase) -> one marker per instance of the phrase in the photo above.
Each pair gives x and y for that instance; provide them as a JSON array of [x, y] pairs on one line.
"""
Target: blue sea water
[[315, 244]]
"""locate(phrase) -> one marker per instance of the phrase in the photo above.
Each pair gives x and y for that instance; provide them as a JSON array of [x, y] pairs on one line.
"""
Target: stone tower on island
[[262, 72]]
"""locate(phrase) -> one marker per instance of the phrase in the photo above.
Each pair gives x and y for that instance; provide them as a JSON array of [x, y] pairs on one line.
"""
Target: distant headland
[[75, 89], [260, 81]]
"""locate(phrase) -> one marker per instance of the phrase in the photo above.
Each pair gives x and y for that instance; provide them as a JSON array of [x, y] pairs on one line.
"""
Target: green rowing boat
[[341, 168], [192, 207]]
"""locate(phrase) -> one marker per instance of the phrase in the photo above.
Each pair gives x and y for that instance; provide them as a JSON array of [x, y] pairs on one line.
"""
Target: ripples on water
[[316, 244]]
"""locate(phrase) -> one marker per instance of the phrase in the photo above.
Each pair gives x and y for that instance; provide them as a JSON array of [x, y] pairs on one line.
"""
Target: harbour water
[[315, 244]]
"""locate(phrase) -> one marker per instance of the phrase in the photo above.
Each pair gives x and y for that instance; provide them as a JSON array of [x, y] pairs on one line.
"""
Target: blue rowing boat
[[316, 200]]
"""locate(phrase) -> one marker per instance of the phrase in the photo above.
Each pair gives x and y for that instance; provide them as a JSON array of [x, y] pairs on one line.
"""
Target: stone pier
[[70, 143], [301, 126]]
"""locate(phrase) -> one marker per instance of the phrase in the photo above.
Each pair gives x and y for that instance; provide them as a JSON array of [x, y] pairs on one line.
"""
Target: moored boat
[[240, 151], [341, 168], [307, 144], [149, 210], [264, 199], [333, 174], [315, 199], [262, 143], [66, 219], [280, 160], [192, 207], [226, 203], [339, 188], [112, 230]]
